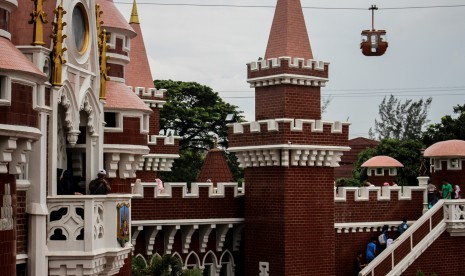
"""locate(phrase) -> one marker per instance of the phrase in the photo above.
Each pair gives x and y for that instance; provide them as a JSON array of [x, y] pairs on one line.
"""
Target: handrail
[[407, 236]]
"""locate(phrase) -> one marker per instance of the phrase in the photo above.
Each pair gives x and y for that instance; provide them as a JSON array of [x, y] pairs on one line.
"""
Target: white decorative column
[[37, 200], [423, 182]]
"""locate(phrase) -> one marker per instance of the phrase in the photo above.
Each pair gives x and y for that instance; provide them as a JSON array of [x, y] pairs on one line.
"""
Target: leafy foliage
[[167, 265], [196, 113], [408, 152], [449, 128], [402, 120]]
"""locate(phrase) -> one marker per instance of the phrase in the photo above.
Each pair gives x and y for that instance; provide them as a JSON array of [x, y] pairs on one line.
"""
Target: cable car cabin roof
[[375, 45], [373, 31]]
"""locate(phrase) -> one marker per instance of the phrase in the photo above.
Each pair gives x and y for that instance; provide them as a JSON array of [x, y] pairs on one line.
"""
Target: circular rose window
[[80, 28]]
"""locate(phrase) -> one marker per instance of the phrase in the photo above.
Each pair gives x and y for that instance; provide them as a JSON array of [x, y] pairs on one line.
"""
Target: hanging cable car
[[374, 42]]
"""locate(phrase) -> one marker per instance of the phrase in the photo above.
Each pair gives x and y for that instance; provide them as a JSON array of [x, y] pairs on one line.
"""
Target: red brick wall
[[126, 269], [130, 136], [444, 257], [287, 101], [379, 180], [146, 176], [21, 111], [161, 148], [8, 237], [285, 135], [454, 176], [154, 122], [120, 186], [177, 207], [21, 223], [374, 210], [286, 208]]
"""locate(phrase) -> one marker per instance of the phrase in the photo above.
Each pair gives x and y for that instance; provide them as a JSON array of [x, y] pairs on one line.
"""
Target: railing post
[[88, 224]]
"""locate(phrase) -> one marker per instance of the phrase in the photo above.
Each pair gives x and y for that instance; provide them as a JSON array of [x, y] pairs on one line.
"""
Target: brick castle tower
[[289, 156]]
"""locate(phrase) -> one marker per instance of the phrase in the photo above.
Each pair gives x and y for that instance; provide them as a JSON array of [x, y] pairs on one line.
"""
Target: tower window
[[4, 90], [111, 118], [4, 19]]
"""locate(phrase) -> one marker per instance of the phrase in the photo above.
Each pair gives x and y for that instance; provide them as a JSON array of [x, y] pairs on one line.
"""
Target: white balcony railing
[[445, 215], [82, 230]]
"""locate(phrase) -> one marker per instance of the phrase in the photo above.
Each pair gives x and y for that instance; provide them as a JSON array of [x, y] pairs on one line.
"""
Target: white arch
[[214, 258], [176, 255], [231, 257], [193, 255], [142, 257]]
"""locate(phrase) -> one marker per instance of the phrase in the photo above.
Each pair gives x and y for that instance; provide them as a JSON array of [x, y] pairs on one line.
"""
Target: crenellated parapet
[[196, 190], [379, 204], [287, 70], [284, 142], [178, 201]]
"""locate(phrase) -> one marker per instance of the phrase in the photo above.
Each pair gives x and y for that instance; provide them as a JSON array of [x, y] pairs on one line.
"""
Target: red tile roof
[[215, 168], [112, 17], [382, 162], [137, 72], [288, 35], [450, 148], [11, 59], [119, 96]]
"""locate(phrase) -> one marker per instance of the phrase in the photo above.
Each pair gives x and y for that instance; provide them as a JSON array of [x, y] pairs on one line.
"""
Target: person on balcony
[[446, 189], [457, 192], [66, 185], [99, 186]]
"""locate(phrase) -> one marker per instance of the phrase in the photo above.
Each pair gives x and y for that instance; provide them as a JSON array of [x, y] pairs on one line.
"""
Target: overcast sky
[[211, 45]]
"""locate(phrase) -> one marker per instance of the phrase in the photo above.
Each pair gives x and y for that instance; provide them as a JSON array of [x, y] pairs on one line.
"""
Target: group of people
[[376, 246], [448, 191]]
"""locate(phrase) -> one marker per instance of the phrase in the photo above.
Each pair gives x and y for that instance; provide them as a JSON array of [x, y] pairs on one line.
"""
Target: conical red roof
[[113, 18], [138, 70], [215, 168], [288, 35]]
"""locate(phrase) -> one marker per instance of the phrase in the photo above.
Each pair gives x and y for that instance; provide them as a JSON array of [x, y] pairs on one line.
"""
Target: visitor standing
[[357, 264], [446, 189], [457, 192], [432, 199], [371, 250], [403, 226]]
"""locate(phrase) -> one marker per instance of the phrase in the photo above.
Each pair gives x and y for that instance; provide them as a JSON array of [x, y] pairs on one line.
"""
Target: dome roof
[[119, 96], [11, 59], [450, 148], [382, 161], [113, 18]]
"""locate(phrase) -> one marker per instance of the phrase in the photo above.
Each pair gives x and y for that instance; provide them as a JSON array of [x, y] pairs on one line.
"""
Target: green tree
[[402, 120], [449, 128], [197, 114], [408, 152], [167, 265]]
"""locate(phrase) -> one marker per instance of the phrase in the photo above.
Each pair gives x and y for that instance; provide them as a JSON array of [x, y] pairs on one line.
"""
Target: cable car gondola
[[374, 42]]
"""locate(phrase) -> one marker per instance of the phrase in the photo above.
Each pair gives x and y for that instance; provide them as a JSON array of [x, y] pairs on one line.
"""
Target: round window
[[80, 28]]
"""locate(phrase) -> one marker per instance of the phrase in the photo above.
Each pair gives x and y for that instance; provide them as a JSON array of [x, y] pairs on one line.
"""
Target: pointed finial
[[134, 15]]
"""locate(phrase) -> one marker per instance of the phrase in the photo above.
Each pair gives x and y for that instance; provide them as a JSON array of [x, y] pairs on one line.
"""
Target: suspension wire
[[304, 7]]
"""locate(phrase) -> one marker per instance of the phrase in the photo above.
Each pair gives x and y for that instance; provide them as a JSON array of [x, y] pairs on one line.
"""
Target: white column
[[423, 182], [37, 202]]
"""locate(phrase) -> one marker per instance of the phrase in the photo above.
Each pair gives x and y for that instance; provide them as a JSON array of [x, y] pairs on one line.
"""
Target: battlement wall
[[148, 92], [379, 204], [288, 131], [177, 201], [287, 70], [163, 144]]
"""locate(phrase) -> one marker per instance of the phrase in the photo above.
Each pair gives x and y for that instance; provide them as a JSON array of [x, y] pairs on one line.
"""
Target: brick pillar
[[8, 236], [289, 220]]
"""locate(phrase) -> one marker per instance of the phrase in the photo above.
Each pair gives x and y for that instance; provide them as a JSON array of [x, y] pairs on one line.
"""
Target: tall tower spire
[[134, 14], [288, 35]]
